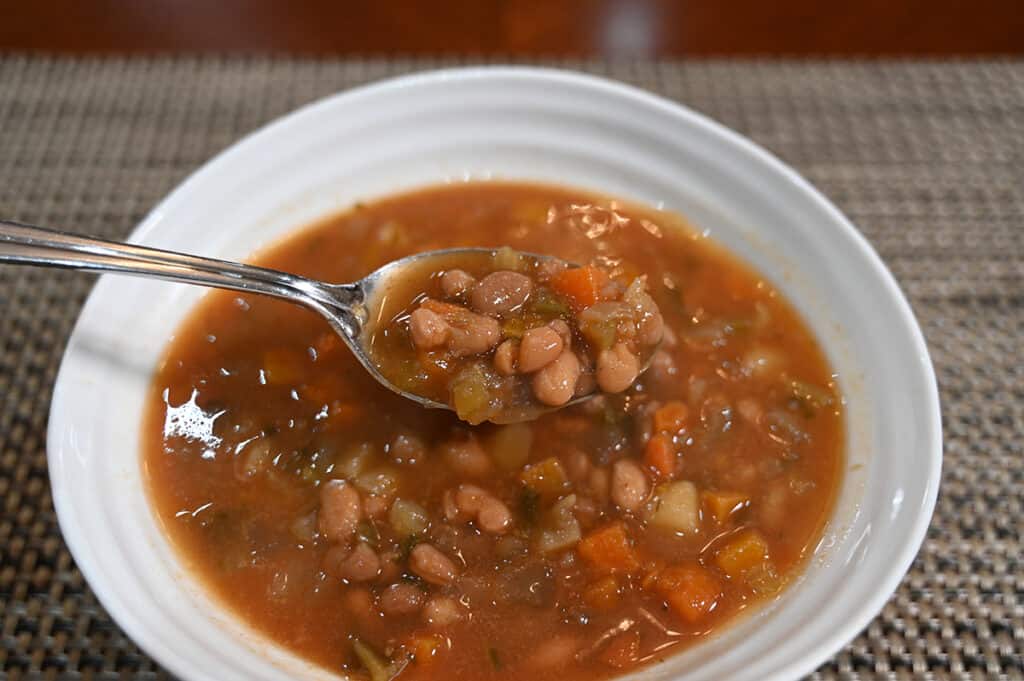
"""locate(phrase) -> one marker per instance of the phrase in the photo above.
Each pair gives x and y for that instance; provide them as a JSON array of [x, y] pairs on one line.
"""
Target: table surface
[[619, 28], [926, 158]]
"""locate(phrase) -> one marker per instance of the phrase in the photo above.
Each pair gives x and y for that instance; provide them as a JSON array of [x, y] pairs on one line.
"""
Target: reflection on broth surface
[[380, 539]]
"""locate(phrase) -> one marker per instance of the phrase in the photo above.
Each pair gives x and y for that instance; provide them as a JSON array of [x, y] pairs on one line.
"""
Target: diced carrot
[[744, 552], [724, 504], [672, 417], [581, 285], [283, 366], [607, 548], [660, 455], [602, 594], [690, 590], [425, 647], [623, 650]]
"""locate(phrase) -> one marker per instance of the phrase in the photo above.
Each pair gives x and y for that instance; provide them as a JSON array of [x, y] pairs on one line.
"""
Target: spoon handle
[[30, 245]]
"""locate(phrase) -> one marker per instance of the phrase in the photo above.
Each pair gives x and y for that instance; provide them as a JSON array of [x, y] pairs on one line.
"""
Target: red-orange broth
[[383, 540]]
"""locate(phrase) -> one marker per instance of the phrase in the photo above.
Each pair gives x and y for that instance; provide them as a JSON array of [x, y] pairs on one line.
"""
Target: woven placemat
[[927, 158]]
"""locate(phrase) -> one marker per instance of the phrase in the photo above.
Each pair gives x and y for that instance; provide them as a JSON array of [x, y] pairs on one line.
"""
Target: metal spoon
[[349, 308]]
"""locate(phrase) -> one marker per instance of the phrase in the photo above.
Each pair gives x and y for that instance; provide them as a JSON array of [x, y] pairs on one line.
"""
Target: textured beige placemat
[[928, 160]]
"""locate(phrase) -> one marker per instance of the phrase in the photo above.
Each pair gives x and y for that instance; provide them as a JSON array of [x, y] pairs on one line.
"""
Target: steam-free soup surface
[[383, 540]]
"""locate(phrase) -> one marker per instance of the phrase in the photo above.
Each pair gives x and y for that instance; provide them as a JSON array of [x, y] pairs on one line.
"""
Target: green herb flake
[[492, 655], [529, 505]]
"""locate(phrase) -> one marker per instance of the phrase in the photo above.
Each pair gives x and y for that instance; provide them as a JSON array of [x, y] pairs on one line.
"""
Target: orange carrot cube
[[660, 455], [744, 552], [672, 417], [721, 505], [608, 549], [690, 590]]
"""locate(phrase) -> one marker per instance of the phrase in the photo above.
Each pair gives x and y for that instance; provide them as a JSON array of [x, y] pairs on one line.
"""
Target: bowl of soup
[[248, 503]]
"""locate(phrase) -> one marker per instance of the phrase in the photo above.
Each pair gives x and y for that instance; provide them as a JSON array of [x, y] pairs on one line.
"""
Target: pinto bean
[[361, 564], [466, 457], [617, 368], [540, 346], [494, 516], [469, 333], [500, 292], [562, 329], [598, 484], [408, 449], [456, 283], [428, 329], [491, 514], [506, 357], [651, 328], [578, 465], [401, 599], [555, 384], [478, 335], [341, 509], [629, 486], [433, 566], [375, 505]]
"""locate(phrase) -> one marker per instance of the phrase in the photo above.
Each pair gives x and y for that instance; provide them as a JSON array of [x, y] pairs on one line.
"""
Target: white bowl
[[507, 123]]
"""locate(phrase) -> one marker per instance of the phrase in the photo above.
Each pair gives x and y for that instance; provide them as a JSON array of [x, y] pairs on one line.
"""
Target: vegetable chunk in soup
[[382, 540]]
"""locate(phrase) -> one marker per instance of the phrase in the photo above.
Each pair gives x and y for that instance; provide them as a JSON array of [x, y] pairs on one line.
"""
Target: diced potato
[[745, 551], [547, 478], [721, 505], [608, 548], [256, 458], [510, 446], [690, 590], [676, 507], [559, 528]]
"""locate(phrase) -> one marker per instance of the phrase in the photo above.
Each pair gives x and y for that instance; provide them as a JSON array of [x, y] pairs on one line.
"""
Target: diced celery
[[472, 396], [408, 518], [506, 258]]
